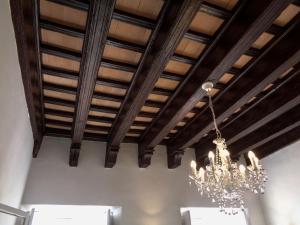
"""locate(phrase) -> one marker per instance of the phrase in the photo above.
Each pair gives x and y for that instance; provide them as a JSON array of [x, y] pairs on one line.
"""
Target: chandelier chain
[[213, 115]]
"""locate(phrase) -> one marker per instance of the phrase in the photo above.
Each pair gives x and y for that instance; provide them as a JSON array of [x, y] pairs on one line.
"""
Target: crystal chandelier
[[224, 181]]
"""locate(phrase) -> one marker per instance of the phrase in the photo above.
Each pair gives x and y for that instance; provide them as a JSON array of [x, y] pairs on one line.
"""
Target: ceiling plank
[[266, 71], [247, 25], [98, 21], [172, 24], [25, 21], [283, 97]]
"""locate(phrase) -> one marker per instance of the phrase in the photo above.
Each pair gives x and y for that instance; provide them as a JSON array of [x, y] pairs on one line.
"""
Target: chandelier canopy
[[224, 181]]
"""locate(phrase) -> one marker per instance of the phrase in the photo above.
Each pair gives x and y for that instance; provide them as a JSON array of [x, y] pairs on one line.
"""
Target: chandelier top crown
[[207, 86]]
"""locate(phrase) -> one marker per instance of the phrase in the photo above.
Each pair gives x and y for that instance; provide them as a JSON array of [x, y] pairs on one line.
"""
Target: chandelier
[[224, 181]]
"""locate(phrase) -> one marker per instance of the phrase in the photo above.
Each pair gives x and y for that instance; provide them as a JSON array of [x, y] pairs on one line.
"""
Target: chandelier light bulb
[[193, 164], [225, 181], [211, 156], [251, 155]]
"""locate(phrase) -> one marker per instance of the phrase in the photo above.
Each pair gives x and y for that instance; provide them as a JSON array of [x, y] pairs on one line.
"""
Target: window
[[211, 216], [70, 215]]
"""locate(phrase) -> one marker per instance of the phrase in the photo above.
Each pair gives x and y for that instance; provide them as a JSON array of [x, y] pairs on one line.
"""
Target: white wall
[[16, 139], [282, 197], [151, 196]]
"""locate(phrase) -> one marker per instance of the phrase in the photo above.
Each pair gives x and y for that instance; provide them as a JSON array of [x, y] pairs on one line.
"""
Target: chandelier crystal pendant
[[224, 181]]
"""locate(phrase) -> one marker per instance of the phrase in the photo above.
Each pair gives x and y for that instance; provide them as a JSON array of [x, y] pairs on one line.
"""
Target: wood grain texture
[[24, 15], [99, 16]]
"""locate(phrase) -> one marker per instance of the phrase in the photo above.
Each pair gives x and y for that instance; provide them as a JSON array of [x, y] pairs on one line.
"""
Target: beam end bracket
[[36, 147], [74, 154], [111, 156], [145, 155], [174, 157]]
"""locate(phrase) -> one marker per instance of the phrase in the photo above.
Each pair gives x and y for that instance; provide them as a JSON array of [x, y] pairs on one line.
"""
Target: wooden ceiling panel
[[242, 61], [157, 98], [114, 74], [190, 48], [146, 8], [226, 78], [138, 127], [166, 84], [286, 72], [263, 39], [101, 102], [190, 115], [95, 131], [63, 14], [200, 104], [102, 114], [268, 87], [121, 55], [60, 81], [287, 15], [128, 32], [58, 127], [59, 95], [142, 119], [149, 109], [61, 40], [110, 90], [205, 23], [177, 67], [132, 135], [58, 107], [59, 118], [100, 124], [60, 62], [181, 124]]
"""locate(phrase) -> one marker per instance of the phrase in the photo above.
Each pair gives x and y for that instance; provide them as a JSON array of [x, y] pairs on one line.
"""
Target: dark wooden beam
[[286, 100], [278, 142], [240, 74], [98, 21], [264, 72], [118, 65], [173, 22], [247, 24], [25, 21], [215, 10], [283, 97], [277, 127], [77, 4]]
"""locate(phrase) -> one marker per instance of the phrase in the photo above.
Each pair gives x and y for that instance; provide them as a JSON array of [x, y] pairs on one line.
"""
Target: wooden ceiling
[[131, 71]]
